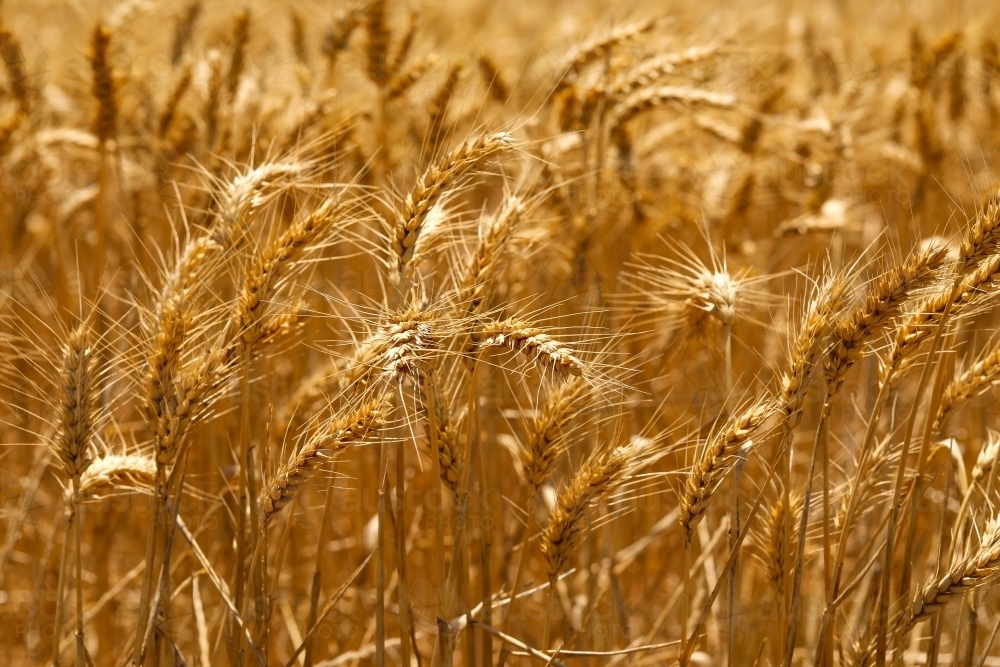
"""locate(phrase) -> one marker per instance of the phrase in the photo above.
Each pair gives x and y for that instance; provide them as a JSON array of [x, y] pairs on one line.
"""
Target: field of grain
[[403, 333]]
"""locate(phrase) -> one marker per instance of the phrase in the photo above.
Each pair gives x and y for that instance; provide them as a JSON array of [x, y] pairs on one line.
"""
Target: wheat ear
[[77, 410], [444, 432], [114, 472], [776, 538], [326, 443], [445, 174], [539, 347], [652, 98], [884, 301], [597, 479], [13, 58], [971, 573], [482, 262], [719, 456], [596, 48], [377, 53], [975, 380], [547, 433]]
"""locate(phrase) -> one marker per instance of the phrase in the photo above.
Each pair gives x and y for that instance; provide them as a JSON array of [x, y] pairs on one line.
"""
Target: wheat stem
[[402, 590]]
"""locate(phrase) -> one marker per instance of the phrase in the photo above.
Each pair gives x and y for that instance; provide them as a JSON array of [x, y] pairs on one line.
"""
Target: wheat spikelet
[[539, 347], [324, 444], [722, 452]]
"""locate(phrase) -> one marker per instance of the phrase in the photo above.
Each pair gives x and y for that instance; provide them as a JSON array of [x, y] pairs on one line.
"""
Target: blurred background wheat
[[428, 334]]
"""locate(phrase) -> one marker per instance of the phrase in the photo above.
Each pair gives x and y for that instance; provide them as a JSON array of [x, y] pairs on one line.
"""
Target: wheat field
[[402, 333]]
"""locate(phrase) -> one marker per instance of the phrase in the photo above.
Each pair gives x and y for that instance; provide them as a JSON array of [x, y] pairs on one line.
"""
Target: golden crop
[[371, 332]]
